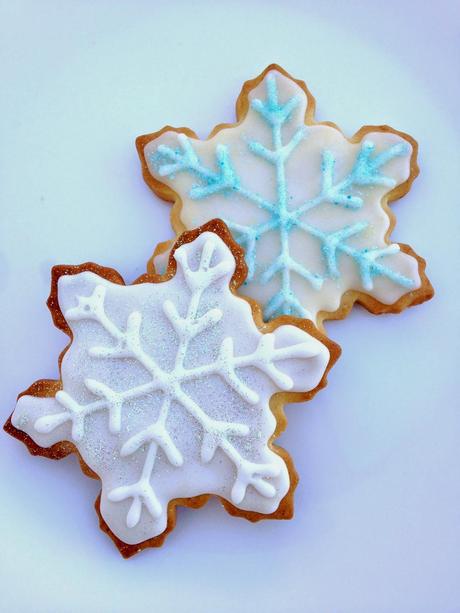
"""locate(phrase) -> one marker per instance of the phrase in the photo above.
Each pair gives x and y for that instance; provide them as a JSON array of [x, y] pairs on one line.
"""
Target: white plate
[[377, 526]]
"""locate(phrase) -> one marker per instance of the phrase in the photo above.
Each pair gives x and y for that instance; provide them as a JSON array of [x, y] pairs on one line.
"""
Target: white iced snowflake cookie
[[308, 205], [165, 391]]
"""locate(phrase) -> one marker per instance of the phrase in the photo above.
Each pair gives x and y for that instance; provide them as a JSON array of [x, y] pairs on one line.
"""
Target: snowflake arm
[[212, 182], [333, 243], [364, 173], [141, 492]]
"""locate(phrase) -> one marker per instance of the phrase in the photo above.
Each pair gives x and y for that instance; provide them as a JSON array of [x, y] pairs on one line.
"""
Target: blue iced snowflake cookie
[[308, 205]]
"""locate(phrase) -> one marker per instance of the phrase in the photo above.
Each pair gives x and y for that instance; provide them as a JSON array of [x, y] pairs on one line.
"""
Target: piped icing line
[[198, 304], [357, 186]]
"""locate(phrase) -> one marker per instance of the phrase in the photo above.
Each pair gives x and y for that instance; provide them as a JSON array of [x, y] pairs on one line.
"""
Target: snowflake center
[[169, 382], [286, 219]]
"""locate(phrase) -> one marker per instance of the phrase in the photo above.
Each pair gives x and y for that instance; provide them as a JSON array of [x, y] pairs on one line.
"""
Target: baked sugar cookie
[[172, 389], [308, 204]]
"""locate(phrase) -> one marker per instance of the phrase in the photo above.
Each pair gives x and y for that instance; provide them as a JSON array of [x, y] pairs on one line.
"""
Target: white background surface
[[377, 526]]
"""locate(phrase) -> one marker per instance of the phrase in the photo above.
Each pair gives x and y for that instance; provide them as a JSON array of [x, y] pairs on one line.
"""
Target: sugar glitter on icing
[[366, 171], [102, 411]]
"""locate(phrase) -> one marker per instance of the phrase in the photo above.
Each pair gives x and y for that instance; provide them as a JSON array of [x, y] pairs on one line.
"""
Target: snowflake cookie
[[309, 205], [170, 390]]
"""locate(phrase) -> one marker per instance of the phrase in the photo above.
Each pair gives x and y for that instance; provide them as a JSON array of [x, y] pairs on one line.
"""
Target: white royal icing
[[304, 202], [166, 390]]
